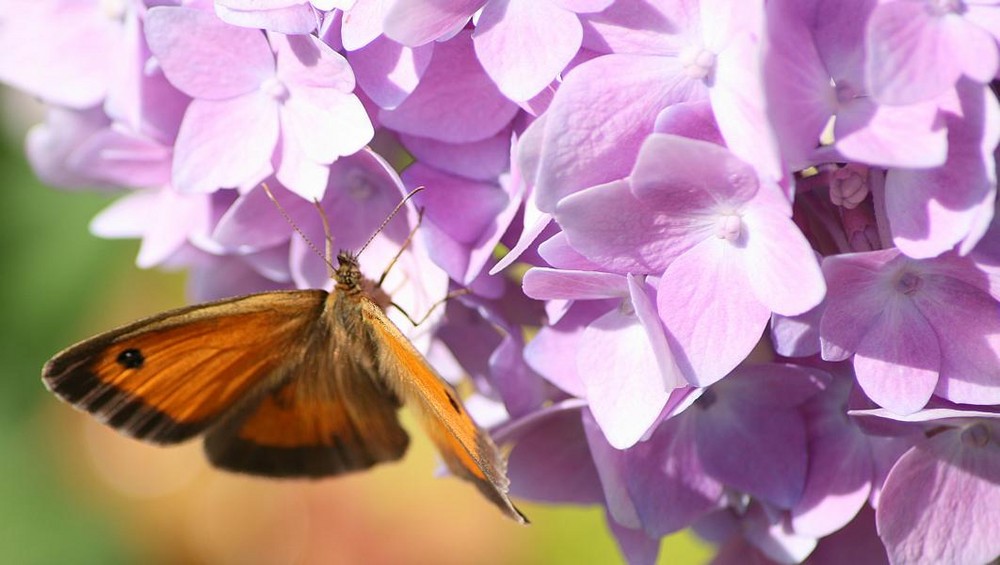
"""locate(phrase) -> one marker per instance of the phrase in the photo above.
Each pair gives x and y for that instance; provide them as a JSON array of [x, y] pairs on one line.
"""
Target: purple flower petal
[[899, 370], [853, 302], [916, 51], [840, 466], [940, 503], [691, 175], [456, 101], [667, 480], [480, 160], [610, 463], [755, 440], [551, 460], [932, 210], [552, 353]]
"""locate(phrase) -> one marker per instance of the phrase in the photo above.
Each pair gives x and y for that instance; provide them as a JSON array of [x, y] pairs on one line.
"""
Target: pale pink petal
[[621, 375], [600, 223], [543, 283], [713, 319], [525, 44], [363, 23], [797, 83], [594, 129], [299, 173], [218, 147], [691, 175], [295, 19], [72, 67], [388, 72], [325, 123], [647, 28], [780, 264], [583, 6], [415, 22], [738, 101], [870, 133], [124, 158], [205, 57], [645, 310], [305, 61]]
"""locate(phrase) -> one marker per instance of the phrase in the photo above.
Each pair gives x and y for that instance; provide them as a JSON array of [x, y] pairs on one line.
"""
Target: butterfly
[[295, 383]]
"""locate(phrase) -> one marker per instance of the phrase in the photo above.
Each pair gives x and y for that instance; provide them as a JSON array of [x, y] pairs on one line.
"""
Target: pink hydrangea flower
[[297, 87]]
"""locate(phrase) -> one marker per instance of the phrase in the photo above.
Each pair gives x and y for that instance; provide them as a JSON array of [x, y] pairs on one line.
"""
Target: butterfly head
[[348, 273]]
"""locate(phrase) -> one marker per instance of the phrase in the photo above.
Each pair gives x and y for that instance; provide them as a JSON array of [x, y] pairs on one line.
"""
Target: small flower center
[[275, 89], [845, 92], [626, 308], [114, 9], [945, 7], [908, 283], [698, 62], [976, 435], [848, 186], [706, 400], [728, 227], [359, 186]]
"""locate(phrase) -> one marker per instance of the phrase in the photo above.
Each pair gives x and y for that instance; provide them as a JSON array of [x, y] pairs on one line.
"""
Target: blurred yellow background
[[72, 491]]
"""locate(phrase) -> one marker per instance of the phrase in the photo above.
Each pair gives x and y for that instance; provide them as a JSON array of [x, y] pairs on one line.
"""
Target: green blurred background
[[73, 492]]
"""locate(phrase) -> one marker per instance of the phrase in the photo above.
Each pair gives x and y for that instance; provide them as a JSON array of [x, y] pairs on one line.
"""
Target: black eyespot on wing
[[131, 359], [454, 403]]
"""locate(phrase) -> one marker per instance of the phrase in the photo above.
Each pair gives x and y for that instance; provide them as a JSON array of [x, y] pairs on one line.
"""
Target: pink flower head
[[297, 89], [916, 328], [728, 252]]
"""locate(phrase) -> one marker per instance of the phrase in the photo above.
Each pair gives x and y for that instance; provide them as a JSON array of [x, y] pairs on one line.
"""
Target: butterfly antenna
[[328, 245], [389, 218], [326, 228], [406, 243]]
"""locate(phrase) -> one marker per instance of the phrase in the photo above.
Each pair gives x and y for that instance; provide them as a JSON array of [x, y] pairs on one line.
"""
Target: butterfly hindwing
[[169, 377], [330, 417]]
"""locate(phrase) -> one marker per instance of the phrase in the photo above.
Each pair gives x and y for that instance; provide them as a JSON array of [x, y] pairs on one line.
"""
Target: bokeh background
[[74, 492]]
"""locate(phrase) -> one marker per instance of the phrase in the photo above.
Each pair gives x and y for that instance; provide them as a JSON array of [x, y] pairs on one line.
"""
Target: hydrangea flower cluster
[[763, 299]]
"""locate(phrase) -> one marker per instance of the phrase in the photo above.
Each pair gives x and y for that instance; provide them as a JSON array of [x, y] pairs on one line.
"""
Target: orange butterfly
[[299, 383]]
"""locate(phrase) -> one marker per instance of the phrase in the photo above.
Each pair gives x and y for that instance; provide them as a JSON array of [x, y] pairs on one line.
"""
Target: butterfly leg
[[449, 296]]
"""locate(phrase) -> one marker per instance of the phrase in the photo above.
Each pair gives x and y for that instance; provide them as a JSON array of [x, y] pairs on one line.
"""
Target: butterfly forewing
[[169, 377]]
